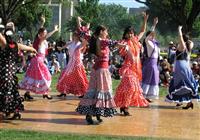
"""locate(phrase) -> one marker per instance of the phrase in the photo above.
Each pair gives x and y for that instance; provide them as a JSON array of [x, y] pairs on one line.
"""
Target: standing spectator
[[171, 53], [53, 65], [61, 52]]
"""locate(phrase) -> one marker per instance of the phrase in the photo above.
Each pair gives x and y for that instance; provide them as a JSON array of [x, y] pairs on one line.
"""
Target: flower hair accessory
[[84, 32]]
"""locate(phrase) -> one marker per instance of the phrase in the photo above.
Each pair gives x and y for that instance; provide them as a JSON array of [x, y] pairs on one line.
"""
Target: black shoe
[[61, 95], [179, 104], [47, 96], [149, 100], [124, 111], [81, 96], [89, 120], [189, 105], [99, 118], [27, 96], [16, 116]]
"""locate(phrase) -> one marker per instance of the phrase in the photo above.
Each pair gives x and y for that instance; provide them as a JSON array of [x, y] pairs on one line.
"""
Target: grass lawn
[[32, 135], [115, 83]]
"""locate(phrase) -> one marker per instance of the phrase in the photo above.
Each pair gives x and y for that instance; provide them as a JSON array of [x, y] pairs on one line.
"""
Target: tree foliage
[[174, 12], [28, 18], [8, 8], [114, 17]]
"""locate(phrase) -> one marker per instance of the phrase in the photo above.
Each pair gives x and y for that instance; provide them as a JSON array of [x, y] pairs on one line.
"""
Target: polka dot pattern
[[10, 100]]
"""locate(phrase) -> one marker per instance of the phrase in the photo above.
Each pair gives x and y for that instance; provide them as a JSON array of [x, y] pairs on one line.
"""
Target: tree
[[87, 10], [28, 18], [114, 17], [8, 8], [174, 12]]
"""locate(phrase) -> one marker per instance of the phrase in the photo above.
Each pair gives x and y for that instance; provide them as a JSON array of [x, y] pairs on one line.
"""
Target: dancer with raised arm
[[150, 72], [73, 78], [183, 87], [129, 91], [38, 78], [98, 101], [10, 99]]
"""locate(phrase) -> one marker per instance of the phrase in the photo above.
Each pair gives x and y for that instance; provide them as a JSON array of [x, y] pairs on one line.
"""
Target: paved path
[[160, 120]]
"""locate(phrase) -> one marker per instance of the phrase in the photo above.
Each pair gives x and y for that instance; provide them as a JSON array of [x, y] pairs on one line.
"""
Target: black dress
[[10, 100]]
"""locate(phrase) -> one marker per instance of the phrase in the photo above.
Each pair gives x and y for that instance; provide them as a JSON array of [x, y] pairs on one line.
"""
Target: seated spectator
[[195, 69], [171, 52], [165, 73], [53, 65], [114, 68]]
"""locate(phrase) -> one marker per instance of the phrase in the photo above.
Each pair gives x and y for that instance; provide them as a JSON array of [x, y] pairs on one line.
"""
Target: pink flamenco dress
[[37, 78], [73, 78], [129, 91], [98, 101]]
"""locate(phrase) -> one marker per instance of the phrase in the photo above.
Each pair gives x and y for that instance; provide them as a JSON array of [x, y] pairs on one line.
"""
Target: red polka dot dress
[[73, 79], [129, 91]]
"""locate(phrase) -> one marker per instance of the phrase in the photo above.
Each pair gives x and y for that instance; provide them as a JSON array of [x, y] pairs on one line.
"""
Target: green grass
[[192, 55], [32, 135], [115, 83]]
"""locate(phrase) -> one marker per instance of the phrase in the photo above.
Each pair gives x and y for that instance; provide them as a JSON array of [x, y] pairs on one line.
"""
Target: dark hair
[[187, 42], [93, 40], [37, 40], [127, 30], [9, 35]]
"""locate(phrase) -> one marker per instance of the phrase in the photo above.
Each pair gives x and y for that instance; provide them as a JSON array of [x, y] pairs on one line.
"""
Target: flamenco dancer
[[129, 91], [150, 72], [183, 87], [10, 99], [98, 101], [38, 78], [73, 78]]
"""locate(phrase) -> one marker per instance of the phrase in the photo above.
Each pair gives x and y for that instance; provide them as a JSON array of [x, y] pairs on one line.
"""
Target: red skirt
[[74, 82], [129, 92]]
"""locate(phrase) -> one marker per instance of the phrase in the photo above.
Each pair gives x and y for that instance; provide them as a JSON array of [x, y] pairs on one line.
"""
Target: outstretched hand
[[155, 21], [56, 28], [146, 16], [42, 18], [80, 19], [33, 50], [180, 27]]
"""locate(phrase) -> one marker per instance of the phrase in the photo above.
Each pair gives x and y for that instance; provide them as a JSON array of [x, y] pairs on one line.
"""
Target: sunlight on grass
[[115, 83]]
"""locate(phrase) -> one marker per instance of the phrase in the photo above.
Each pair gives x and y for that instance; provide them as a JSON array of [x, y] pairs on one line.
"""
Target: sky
[[125, 3]]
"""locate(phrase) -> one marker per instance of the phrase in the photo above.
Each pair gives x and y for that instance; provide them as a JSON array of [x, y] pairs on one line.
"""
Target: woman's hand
[[146, 16], [56, 28], [33, 50], [42, 18], [180, 28], [155, 21]]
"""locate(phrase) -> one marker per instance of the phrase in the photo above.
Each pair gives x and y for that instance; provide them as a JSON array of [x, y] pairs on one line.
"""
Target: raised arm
[[182, 45], [42, 20], [143, 29], [52, 32], [155, 22], [79, 20]]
